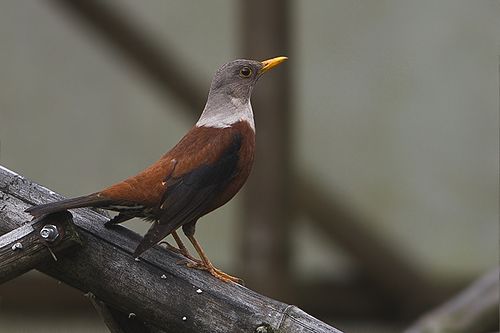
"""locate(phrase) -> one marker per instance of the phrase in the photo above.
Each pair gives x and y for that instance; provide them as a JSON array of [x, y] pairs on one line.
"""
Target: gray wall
[[396, 111]]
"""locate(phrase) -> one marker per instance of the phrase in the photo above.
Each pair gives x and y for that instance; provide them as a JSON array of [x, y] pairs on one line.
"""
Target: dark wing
[[192, 194]]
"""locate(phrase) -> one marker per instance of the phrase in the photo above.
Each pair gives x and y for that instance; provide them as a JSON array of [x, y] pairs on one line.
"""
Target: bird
[[202, 172]]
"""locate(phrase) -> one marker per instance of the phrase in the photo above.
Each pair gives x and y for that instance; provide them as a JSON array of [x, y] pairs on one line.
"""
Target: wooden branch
[[473, 310], [24, 248], [117, 321], [156, 289]]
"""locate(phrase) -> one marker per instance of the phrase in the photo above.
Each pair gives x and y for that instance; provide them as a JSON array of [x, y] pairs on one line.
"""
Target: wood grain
[[23, 249]]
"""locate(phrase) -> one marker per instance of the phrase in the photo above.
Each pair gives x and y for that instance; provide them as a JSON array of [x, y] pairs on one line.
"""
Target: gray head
[[230, 91]]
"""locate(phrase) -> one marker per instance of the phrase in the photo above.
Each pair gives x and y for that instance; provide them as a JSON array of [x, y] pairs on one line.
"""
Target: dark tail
[[155, 234], [92, 200]]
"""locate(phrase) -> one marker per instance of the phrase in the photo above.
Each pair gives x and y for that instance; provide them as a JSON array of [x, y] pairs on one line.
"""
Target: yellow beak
[[271, 63]]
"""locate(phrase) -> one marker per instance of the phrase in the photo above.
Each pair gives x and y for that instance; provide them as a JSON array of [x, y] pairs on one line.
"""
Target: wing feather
[[189, 195]]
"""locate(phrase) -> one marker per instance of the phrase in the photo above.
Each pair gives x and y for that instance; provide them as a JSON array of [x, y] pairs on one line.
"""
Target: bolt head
[[49, 233]]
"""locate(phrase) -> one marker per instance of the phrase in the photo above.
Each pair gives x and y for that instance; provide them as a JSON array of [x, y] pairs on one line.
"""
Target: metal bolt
[[49, 233]]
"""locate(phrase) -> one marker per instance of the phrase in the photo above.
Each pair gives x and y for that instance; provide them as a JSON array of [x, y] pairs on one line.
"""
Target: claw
[[215, 272], [203, 264]]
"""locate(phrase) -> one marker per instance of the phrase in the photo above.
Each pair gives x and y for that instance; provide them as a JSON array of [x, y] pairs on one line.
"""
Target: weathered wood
[[475, 309], [117, 321], [23, 248], [158, 290]]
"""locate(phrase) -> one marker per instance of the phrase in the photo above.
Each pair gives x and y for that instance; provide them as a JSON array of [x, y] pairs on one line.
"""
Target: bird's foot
[[198, 264]]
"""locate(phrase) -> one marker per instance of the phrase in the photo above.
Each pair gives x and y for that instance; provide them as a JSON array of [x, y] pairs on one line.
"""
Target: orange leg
[[205, 264], [181, 248]]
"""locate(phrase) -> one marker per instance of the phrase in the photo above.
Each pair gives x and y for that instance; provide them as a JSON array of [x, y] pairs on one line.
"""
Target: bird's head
[[230, 91], [237, 78]]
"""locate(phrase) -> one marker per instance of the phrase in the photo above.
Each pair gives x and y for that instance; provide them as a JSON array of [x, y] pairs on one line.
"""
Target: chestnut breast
[[201, 173], [220, 163]]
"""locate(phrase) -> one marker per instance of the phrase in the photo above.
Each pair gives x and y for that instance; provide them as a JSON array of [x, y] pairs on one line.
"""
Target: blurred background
[[375, 191]]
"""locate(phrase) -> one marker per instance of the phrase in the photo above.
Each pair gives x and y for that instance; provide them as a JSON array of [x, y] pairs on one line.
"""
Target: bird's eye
[[245, 72]]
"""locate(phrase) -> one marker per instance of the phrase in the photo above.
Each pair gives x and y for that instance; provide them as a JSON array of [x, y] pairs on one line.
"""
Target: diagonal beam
[[379, 260], [474, 309], [160, 65]]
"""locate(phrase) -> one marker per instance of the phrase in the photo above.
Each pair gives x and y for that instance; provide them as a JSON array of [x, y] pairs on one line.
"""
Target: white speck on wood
[[163, 276], [49, 190], [17, 246], [131, 315], [199, 291], [137, 259], [184, 318]]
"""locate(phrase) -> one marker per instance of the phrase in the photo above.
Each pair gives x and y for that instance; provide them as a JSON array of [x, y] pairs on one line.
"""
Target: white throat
[[227, 115]]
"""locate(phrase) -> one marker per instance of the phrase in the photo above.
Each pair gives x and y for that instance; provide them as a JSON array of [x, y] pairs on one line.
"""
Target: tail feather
[[92, 200], [155, 234]]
